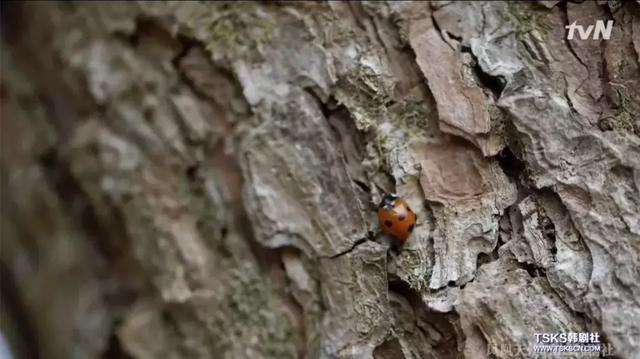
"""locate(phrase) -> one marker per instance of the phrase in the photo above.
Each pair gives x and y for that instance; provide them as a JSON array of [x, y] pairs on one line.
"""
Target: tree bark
[[202, 179]]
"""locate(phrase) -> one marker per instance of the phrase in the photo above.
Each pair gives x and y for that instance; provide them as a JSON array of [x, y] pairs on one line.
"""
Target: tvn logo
[[600, 30]]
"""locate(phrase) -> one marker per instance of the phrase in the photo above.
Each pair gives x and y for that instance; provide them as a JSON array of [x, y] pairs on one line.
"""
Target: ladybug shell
[[396, 218]]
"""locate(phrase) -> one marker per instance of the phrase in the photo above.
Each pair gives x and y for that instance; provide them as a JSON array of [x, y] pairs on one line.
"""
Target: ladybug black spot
[[401, 217], [388, 223]]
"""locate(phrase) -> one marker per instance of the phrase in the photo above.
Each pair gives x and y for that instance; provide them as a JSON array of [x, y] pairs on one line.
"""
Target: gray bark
[[201, 179]]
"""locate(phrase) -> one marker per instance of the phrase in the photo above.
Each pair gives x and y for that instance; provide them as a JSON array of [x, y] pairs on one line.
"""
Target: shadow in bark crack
[[438, 328]]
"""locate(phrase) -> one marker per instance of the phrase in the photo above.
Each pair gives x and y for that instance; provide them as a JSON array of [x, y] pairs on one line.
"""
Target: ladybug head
[[387, 201]]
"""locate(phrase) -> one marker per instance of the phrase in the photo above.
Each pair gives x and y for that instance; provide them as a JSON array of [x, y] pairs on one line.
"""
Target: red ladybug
[[396, 218]]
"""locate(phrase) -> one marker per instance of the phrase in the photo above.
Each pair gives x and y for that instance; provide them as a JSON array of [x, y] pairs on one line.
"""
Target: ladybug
[[396, 218]]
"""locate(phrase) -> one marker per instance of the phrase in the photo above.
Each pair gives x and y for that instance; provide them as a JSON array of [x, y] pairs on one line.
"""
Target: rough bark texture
[[200, 179]]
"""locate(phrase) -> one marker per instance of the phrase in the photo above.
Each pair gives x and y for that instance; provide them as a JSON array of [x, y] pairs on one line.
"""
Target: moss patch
[[527, 17]]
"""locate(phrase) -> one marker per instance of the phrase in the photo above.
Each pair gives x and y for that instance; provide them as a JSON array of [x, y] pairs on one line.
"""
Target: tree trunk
[[201, 180]]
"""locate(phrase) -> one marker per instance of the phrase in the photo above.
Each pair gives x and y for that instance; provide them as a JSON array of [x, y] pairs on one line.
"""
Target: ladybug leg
[[396, 246], [384, 239], [395, 249]]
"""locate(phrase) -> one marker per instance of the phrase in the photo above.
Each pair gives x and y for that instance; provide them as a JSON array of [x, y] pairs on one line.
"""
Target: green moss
[[625, 119], [364, 93], [413, 271], [527, 17], [413, 113], [233, 30], [255, 306]]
